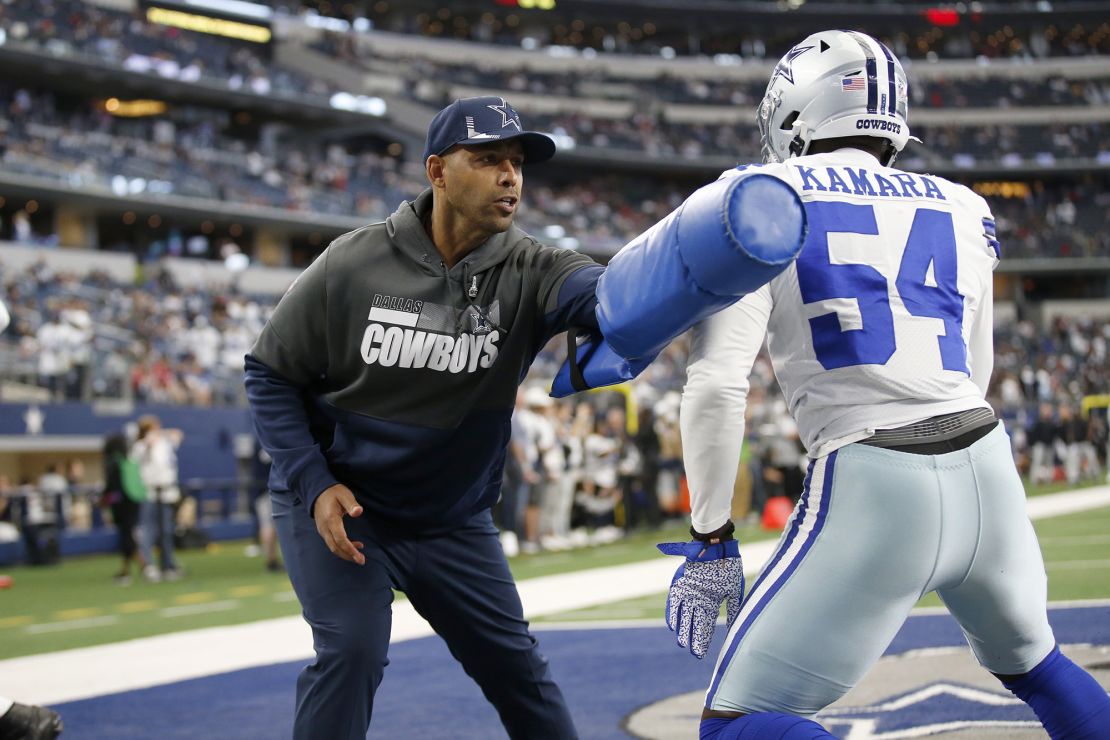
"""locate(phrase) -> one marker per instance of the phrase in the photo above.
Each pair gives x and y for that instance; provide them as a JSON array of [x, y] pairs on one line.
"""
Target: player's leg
[[464, 589], [763, 726], [1001, 604], [854, 558], [349, 609]]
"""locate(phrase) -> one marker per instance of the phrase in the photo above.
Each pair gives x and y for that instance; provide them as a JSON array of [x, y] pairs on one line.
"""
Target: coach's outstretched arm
[[725, 241]]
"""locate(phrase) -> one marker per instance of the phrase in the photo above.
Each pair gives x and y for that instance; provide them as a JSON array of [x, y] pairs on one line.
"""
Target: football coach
[[383, 387]]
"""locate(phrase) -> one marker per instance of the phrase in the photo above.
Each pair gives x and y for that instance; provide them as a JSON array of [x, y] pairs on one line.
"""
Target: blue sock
[[1067, 700], [763, 726]]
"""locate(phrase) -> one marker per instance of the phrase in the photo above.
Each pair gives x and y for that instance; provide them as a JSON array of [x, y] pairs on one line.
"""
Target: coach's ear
[[434, 167]]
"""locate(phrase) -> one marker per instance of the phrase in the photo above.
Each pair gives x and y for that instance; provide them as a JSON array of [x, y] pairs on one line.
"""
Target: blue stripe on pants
[[759, 597]]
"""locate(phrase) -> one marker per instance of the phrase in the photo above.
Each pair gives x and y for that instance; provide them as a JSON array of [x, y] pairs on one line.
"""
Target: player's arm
[[723, 349], [714, 399]]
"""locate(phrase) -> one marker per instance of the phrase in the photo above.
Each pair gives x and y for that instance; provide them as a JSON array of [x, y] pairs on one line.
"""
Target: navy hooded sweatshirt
[[383, 370]]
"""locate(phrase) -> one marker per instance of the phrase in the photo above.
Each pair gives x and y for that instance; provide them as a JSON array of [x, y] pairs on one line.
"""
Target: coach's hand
[[713, 573], [330, 508]]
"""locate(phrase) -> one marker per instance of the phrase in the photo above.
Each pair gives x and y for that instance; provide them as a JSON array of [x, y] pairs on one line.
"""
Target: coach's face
[[481, 183]]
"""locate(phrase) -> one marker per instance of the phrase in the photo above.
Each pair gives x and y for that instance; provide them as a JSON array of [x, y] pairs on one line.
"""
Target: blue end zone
[[606, 675]]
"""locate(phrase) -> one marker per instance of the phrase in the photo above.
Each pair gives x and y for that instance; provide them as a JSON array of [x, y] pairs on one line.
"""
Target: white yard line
[[68, 675], [70, 624], [1076, 564], [192, 609]]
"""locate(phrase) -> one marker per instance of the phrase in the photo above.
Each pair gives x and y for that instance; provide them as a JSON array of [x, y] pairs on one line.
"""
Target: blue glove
[[712, 573]]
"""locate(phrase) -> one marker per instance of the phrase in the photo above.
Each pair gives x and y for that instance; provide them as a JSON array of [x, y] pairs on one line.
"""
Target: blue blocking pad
[[738, 248], [600, 366], [726, 240]]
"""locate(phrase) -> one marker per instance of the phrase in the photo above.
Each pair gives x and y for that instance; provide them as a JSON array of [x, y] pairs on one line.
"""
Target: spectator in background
[[42, 514], [541, 450], [155, 451], [572, 422], [600, 494], [520, 477], [263, 509], [647, 443], [8, 531], [125, 511], [1080, 460], [21, 228], [525, 431], [77, 338], [51, 345], [670, 455], [1042, 439]]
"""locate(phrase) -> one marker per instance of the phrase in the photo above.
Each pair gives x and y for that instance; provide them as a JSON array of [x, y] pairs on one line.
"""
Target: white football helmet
[[834, 84]]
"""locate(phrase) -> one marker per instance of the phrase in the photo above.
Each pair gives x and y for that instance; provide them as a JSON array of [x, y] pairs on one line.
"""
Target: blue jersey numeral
[[932, 241]]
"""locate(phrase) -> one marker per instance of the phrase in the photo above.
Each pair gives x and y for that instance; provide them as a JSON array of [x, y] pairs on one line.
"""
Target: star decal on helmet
[[784, 68]]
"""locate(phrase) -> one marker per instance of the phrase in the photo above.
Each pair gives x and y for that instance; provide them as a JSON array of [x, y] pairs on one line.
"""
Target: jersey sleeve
[[294, 341], [714, 399], [980, 346]]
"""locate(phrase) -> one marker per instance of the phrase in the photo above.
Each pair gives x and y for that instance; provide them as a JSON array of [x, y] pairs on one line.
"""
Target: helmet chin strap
[[799, 144]]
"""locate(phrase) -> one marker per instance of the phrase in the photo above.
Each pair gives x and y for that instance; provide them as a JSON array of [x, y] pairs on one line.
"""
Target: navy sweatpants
[[460, 582]]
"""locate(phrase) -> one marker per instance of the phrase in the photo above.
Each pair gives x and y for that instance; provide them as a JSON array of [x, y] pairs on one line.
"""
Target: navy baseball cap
[[482, 121]]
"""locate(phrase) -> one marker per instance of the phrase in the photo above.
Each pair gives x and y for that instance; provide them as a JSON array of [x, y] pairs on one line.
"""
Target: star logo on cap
[[508, 117], [784, 68]]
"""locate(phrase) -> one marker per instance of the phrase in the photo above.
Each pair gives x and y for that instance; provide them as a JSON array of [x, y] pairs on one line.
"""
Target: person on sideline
[[382, 388]]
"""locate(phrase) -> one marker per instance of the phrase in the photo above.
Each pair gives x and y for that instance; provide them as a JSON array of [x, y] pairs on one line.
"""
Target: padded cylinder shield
[[599, 366], [726, 240]]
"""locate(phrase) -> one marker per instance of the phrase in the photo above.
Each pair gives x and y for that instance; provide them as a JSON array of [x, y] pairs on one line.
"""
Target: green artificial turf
[[76, 603]]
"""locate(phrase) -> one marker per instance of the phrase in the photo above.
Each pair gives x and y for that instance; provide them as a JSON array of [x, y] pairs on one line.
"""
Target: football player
[[881, 339]]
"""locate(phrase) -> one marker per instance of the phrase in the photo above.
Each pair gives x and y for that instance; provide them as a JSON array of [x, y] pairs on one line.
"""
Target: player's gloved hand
[[713, 573]]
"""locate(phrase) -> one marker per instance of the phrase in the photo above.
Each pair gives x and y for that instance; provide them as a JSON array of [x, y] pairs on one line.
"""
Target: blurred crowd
[[430, 81], [195, 152], [201, 152], [130, 41], [91, 337], [907, 36], [1042, 376]]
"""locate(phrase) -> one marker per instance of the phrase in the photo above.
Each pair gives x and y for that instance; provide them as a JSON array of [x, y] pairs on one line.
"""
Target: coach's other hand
[[330, 508], [713, 573]]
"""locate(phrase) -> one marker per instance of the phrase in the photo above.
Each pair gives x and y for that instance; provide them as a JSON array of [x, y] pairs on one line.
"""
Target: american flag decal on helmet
[[852, 83]]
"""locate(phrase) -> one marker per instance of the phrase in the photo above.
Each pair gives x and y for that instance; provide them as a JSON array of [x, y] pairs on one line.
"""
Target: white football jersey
[[885, 319]]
